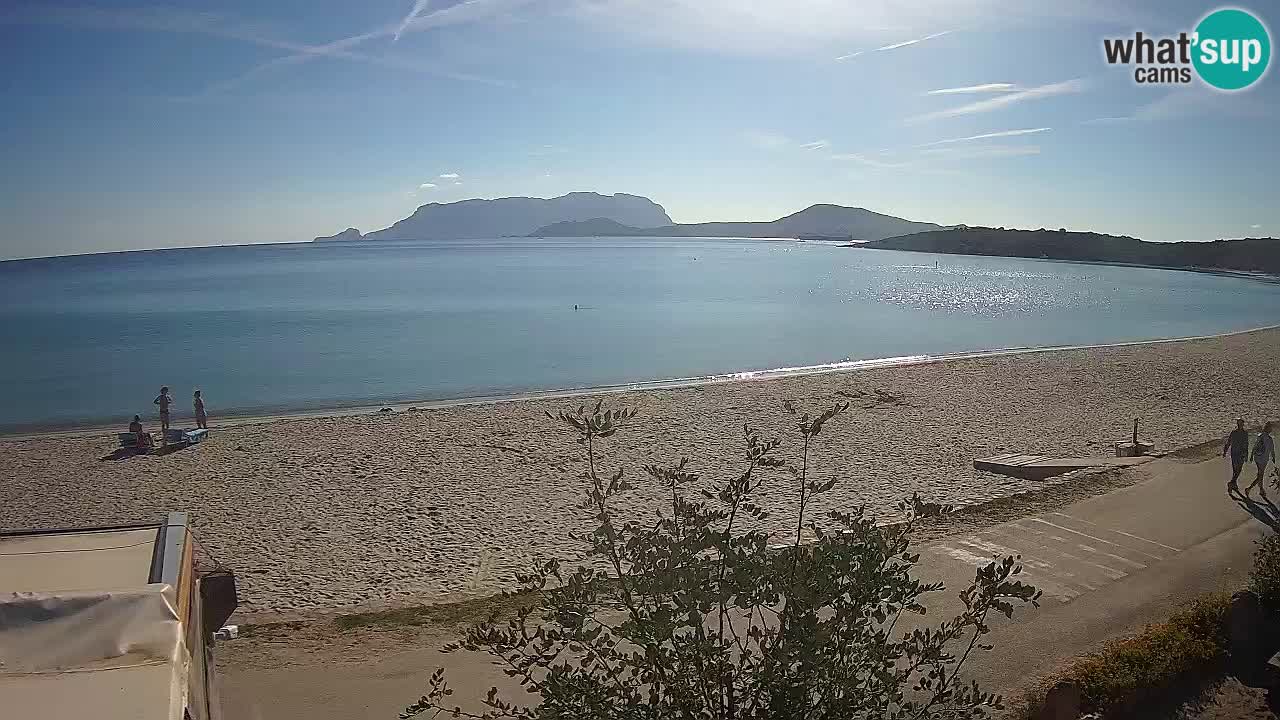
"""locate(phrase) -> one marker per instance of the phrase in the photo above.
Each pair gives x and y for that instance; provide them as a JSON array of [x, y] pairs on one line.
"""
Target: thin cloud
[[801, 26], [916, 164], [815, 145], [962, 152], [1255, 227], [1036, 93], [1189, 102], [343, 49], [426, 186], [418, 7], [178, 21], [338, 49], [973, 89], [986, 136], [449, 176], [894, 46], [869, 161], [1195, 102]]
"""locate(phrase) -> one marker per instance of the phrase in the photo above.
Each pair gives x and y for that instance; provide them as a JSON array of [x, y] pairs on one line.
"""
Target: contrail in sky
[[418, 7]]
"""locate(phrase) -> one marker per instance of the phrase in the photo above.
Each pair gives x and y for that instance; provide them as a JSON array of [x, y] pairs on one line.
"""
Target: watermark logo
[[1235, 49], [1229, 49]]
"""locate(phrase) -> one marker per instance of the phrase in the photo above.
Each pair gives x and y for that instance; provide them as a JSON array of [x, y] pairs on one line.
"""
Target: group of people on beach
[[1263, 454], [164, 400]]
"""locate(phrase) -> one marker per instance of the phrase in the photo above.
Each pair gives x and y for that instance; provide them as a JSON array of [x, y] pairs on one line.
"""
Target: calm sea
[[91, 339]]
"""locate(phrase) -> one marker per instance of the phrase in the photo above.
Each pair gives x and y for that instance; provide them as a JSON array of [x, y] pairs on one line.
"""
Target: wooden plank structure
[[1039, 467]]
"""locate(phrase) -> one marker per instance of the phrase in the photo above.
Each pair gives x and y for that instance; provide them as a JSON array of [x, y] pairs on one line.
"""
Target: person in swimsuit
[[163, 400], [202, 420], [141, 437]]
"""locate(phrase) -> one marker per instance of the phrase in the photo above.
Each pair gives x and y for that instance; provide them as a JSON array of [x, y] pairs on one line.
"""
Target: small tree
[[693, 616], [1264, 579]]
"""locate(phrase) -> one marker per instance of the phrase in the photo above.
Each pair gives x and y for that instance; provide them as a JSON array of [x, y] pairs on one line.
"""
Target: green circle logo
[[1232, 49]]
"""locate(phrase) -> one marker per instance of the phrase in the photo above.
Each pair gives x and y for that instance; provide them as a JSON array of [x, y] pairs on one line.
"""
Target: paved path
[[1108, 565]]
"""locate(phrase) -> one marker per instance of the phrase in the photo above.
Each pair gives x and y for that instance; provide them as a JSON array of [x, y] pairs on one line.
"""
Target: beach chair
[[129, 445], [185, 436], [127, 439]]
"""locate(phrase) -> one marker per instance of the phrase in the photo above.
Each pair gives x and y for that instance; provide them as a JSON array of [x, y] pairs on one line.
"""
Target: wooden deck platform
[[1039, 467]]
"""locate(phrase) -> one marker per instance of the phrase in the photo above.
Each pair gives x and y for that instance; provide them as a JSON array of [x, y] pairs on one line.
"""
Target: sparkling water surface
[[90, 339]]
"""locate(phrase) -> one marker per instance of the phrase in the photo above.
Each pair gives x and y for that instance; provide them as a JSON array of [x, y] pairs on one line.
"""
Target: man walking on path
[[1264, 451], [1238, 446]]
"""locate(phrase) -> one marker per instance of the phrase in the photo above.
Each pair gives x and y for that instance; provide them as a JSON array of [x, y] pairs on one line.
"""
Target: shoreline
[[1222, 272], [407, 508], [234, 419]]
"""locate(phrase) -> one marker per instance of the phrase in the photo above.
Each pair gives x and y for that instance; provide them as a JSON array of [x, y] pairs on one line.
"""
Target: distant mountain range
[[593, 215], [344, 236], [1248, 255], [584, 214], [815, 221], [504, 217]]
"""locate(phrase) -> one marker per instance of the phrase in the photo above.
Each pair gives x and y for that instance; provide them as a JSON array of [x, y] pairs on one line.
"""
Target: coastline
[[326, 514], [234, 419], [1223, 272]]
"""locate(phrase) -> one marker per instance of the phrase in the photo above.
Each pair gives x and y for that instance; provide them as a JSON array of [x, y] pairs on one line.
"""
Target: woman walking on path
[[202, 420], [1264, 451]]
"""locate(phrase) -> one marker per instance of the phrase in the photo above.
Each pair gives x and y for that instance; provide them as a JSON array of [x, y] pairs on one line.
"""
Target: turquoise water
[[91, 339]]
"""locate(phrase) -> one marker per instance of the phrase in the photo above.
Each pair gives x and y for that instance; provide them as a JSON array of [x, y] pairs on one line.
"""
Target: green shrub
[[1164, 662], [688, 615], [1264, 579]]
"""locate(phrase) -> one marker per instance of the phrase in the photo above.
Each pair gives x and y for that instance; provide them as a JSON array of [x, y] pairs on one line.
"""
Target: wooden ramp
[[1039, 467]]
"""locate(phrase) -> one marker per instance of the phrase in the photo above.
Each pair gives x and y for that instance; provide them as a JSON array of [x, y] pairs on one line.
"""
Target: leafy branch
[[693, 616]]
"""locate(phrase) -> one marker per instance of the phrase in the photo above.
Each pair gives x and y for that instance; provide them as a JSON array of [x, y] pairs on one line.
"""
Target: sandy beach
[[321, 514]]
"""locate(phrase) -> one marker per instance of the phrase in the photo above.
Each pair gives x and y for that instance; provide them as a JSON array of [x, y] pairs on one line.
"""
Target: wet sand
[[320, 514]]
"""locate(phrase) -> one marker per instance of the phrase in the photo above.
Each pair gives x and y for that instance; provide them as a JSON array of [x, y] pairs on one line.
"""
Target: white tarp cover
[[78, 560], [92, 654]]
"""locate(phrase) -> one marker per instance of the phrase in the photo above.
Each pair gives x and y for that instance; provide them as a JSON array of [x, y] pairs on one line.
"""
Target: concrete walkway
[[1107, 565]]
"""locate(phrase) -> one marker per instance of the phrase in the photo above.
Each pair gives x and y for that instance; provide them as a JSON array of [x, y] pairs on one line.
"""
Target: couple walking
[[1264, 452]]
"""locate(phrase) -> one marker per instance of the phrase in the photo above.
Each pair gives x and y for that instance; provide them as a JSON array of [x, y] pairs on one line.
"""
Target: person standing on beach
[[1238, 446], [163, 400], [1264, 451], [202, 420]]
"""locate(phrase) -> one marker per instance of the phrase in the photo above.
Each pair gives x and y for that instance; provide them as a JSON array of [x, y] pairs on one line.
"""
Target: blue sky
[[200, 123]]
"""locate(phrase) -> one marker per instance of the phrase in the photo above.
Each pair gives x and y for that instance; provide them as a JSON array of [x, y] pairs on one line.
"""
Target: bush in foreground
[[1163, 664], [1264, 579], [691, 616]]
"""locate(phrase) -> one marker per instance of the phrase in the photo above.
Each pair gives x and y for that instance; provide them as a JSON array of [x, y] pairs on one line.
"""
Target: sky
[[130, 126]]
